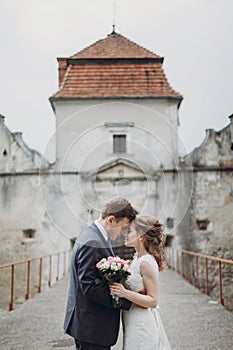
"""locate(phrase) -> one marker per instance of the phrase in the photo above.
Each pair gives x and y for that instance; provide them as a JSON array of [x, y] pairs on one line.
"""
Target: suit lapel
[[109, 244]]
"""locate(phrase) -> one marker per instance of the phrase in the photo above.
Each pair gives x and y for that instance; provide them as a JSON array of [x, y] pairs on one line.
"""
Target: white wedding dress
[[142, 328]]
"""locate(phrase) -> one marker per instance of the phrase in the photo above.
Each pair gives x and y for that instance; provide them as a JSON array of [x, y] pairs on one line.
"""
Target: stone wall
[[26, 230], [208, 226]]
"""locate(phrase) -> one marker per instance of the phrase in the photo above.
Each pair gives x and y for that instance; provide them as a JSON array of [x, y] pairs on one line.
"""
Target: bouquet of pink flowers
[[113, 269]]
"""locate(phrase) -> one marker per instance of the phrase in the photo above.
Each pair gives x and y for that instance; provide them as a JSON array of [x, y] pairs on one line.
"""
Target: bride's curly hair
[[154, 238]]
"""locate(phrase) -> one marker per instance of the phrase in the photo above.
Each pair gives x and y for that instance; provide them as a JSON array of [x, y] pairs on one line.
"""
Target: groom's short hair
[[120, 208]]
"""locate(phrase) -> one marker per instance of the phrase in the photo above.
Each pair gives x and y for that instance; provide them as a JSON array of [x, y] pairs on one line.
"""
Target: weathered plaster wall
[[208, 226], [84, 134], [25, 229], [15, 155]]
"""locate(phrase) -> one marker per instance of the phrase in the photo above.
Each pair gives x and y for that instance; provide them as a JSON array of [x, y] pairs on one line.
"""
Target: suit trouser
[[88, 346]]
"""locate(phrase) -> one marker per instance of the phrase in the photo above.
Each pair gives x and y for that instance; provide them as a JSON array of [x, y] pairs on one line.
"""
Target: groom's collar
[[101, 229]]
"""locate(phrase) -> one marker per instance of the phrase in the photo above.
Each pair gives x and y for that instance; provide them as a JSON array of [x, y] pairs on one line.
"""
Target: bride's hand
[[117, 289]]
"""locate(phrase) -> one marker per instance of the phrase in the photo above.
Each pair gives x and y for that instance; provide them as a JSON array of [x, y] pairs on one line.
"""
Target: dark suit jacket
[[90, 316]]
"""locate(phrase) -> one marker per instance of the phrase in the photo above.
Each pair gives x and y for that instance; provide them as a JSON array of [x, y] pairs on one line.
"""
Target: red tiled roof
[[109, 80], [113, 67], [115, 46]]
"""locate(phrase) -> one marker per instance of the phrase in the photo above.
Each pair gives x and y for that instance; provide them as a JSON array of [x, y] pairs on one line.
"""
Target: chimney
[[62, 66]]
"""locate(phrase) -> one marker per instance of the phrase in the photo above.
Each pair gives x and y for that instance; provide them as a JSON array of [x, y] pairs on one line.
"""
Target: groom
[[90, 317]]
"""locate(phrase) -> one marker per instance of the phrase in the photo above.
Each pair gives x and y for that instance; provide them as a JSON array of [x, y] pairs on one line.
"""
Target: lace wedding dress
[[142, 328]]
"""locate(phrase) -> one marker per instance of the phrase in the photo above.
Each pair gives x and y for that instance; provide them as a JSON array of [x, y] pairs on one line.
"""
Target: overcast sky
[[194, 36]]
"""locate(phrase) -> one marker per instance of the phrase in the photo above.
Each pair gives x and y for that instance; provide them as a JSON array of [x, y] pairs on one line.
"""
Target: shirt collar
[[101, 229]]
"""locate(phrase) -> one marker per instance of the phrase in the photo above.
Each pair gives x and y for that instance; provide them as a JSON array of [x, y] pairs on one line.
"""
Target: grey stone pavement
[[191, 321]]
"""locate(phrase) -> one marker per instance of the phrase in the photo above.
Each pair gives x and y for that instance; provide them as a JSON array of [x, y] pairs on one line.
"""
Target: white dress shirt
[[102, 229]]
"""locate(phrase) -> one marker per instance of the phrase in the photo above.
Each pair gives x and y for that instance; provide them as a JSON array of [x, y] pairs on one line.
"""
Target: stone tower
[[117, 121]]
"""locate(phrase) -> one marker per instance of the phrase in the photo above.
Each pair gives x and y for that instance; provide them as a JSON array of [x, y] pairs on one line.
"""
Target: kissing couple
[[91, 319]]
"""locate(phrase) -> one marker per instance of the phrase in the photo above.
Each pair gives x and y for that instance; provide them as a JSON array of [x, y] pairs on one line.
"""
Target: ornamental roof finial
[[113, 29]]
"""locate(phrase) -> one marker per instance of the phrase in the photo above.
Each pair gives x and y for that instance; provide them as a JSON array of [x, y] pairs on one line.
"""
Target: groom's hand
[[143, 292]]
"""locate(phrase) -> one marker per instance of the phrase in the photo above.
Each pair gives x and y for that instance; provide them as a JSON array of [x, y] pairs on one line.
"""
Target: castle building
[[116, 129], [116, 134]]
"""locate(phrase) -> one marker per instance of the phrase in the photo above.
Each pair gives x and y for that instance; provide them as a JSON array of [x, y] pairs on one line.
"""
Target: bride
[[142, 325]]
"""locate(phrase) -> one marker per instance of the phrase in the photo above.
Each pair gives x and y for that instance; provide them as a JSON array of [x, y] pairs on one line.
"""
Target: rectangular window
[[119, 143], [203, 224], [29, 233]]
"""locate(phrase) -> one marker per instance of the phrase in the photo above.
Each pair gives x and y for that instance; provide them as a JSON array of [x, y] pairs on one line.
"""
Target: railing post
[[206, 277], [189, 272], [220, 282], [58, 265], [28, 280], [40, 276], [197, 274], [183, 275], [11, 305], [50, 271], [64, 264], [177, 261]]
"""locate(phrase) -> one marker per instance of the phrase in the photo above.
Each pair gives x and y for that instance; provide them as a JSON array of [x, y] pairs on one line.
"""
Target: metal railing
[[44, 262], [180, 261]]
